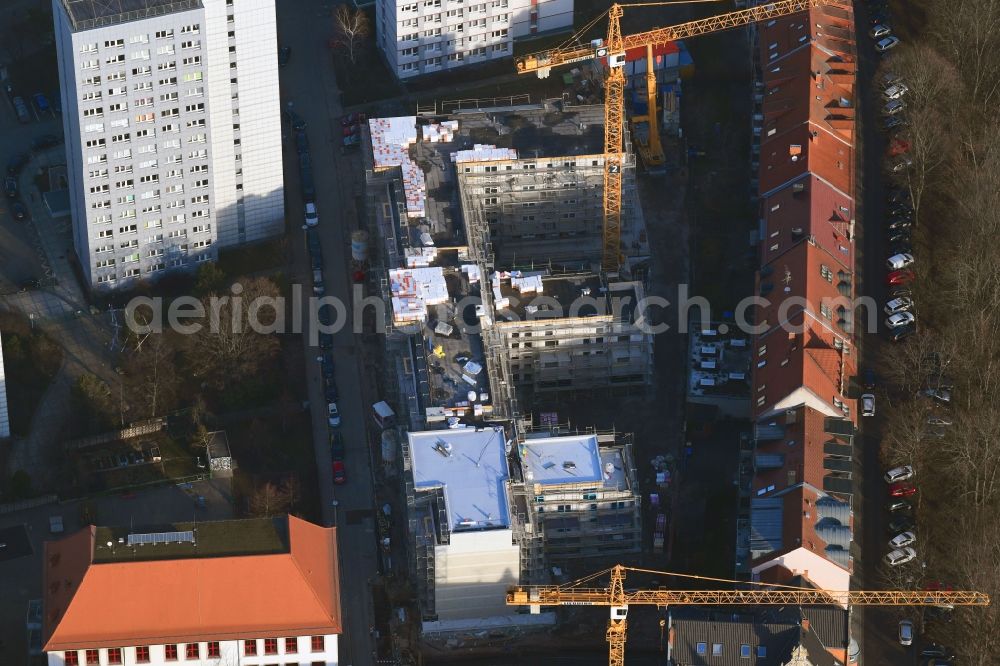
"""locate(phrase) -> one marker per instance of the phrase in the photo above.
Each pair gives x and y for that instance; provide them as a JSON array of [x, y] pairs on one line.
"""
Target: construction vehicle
[[645, 128], [613, 51], [619, 599]]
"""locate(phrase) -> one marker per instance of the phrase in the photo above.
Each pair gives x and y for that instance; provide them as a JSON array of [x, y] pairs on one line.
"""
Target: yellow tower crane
[[619, 599], [613, 50]]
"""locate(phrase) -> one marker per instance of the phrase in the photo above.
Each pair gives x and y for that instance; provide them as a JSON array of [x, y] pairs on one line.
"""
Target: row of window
[[499, 19], [435, 4], [437, 47], [111, 278], [458, 28], [452, 57], [192, 29]]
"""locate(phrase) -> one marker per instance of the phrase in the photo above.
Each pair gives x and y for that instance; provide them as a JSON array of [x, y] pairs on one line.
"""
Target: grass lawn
[[31, 360], [249, 259]]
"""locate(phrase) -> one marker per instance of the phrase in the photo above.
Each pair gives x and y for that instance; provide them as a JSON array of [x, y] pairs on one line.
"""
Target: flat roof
[[254, 536], [470, 466], [520, 296], [568, 459], [90, 14]]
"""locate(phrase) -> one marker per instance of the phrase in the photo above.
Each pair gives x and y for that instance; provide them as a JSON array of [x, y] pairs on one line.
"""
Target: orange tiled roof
[[809, 210], [90, 605]]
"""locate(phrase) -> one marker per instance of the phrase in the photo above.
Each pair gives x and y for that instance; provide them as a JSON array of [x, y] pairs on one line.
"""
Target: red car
[[339, 472], [898, 147], [902, 489], [352, 119], [902, 276]]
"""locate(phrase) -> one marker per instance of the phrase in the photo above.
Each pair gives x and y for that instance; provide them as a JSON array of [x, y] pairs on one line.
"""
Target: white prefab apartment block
[[426, 36], [173, 131]]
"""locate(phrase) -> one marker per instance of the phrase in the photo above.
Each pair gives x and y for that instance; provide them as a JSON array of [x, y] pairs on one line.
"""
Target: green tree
[[210, 279]]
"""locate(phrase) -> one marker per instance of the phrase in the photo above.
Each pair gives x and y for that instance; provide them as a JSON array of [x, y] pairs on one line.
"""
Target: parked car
[[893, 107], [352, 119], [900, 224], [878, 16], [900, 164], [330, 391], [900, 522], [937, 650], [886, 43], [45, 141], [896, 505], [16, 163], [897, 147], [900, 319], [295, 120], [352, 141], [893, 123], [942, 395], [10, 187], [905, 276], [18, 210], [902, 473], [905, 632], [938, 421], [284, 55], [41, 103], [301, 142], [902, 539], [901, 247], [898, 305], [349, 130], [902, 489], [901, 556], [901, 292], [327, 366], [868, 404], [312, 217], [896, 91], [870, 379], [880, 30], [337, 449], [339, 472], [901, 208], [333, 415], [325, 341], [901, 333], [888, 80], [898, 195], [898, 261], [21, 109], [319, 288], [900, 235]]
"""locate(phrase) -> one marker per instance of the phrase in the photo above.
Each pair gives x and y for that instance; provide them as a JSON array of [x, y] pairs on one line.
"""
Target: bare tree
[[235, 344], [351, 29], [153, 372], [269, 500], [969, 32]]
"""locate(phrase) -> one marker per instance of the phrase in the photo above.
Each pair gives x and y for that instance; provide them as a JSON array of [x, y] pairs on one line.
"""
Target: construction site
[[512, 250]]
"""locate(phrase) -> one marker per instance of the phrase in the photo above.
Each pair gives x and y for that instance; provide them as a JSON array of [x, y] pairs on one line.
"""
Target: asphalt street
[[309, 86], [875, 628]]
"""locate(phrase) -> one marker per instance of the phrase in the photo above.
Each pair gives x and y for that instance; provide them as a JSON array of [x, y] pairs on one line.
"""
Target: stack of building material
[[472, 272], [483, 152], [527, 284], [391, 141], [435, 132], [417, 257], [413, 290]]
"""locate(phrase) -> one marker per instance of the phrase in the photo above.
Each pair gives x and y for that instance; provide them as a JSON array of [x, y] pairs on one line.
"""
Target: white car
[[886, 43], [868, 404], [333, 414], [880, 30], [902, 540], [900, 556], [903, 473], [895, 91], [312, 217], [899, 261], [901, 304], [900, 319]]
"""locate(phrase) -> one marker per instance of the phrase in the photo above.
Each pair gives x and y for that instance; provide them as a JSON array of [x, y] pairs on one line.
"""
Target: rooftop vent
[[569, 465], [443, 447]]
